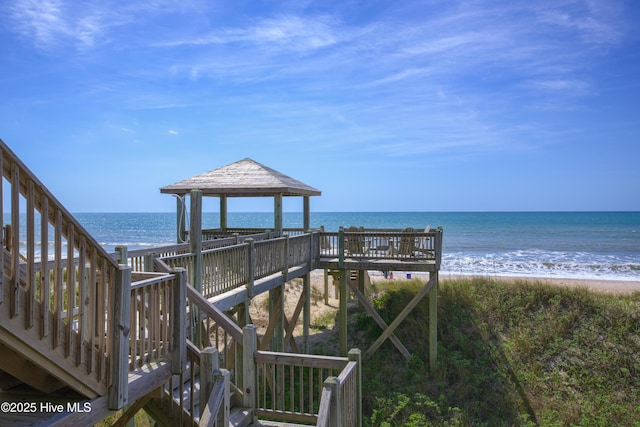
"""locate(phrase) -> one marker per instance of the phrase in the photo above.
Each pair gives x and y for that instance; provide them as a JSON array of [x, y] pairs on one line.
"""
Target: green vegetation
[[520, 353]]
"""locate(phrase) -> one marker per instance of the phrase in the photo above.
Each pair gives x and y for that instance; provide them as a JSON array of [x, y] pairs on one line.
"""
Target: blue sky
[[383, 106]]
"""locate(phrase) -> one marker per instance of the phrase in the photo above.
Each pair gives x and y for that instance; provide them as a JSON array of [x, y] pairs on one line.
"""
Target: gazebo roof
[[244, 178]]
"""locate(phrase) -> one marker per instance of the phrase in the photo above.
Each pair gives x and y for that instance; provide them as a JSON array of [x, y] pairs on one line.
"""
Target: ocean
[[578, 245]]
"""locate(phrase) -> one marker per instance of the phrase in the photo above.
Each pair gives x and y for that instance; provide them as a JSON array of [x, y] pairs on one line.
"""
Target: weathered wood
[[15, 241], [249, 386], [223, 213], [356, 356], [45, 282], [335, 411], [178, 344], [342, 314], [31, 242], [433, 321], [277, 213], [208, 365], [120, 325]]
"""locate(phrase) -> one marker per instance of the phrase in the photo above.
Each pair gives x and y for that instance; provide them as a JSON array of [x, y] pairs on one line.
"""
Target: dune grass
[[522, 353]]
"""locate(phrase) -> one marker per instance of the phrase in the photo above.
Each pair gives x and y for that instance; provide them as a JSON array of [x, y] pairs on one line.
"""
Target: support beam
[[433, 321], [223, 213], [403, 314], [344, 293], [380, 321], [181, 220], [306, 221], [277, 213]]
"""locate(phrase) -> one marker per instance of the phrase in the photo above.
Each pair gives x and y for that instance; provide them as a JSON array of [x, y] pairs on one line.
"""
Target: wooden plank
[[30, 290], [83, 303], [178, 314], [70, 288], [45, 280], [433, 322], [15, 241], [250, 393], [291, 324], [401, 316], [26, 371], [121, 329], [342, 313], [58, 284]]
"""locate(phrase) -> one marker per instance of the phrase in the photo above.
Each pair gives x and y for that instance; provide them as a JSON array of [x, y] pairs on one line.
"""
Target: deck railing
[[61, 291], [71, 300], [407, 244]]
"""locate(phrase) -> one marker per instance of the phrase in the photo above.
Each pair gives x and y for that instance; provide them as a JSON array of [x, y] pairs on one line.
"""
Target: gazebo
[[244, 178]]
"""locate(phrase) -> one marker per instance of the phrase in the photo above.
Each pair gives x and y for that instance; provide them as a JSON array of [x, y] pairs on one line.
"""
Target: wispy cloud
[[296, 33], [173, 132]]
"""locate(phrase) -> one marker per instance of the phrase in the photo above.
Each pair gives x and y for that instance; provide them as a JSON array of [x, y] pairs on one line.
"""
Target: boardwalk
[[167, 329]]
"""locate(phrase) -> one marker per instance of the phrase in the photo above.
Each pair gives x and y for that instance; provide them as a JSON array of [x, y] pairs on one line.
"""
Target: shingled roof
[[244, 178]]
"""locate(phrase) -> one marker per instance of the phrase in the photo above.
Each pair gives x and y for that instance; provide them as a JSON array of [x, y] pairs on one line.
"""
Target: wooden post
[[181, 220], [208, 364], [341, 247], [124, 254], [15, 244], [344, 293], [120, 328], [195, 238], [433, 322], [361, 274], [179, 339], [335, 413], [252, 266], [306, 314], [223, 213], [326, 287], [356, 356], [223, 416], [195, 246], [306, 221], [149, 260], [249, 384], [277, 213]]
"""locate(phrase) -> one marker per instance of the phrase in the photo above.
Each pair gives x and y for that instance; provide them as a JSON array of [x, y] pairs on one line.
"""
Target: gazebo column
[[277, 213], [223, 213], [307, 213], [181, 220], [195, 245]]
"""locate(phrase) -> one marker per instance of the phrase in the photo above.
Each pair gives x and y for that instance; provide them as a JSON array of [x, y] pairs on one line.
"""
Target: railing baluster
[[71, 289], [45, 280], [30, 291], [15, 241], [83, 318], [58, 294]]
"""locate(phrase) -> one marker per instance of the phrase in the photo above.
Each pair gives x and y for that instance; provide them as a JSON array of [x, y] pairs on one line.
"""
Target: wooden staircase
[[80, 330]]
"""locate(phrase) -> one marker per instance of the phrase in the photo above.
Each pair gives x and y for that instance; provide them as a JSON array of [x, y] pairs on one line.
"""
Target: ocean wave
[[538, 263]]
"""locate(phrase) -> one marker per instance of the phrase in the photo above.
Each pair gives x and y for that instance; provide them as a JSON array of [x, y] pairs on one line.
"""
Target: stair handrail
[[64, 302]]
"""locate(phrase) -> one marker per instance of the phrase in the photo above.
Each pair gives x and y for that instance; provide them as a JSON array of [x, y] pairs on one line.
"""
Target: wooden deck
[[165, 329]]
